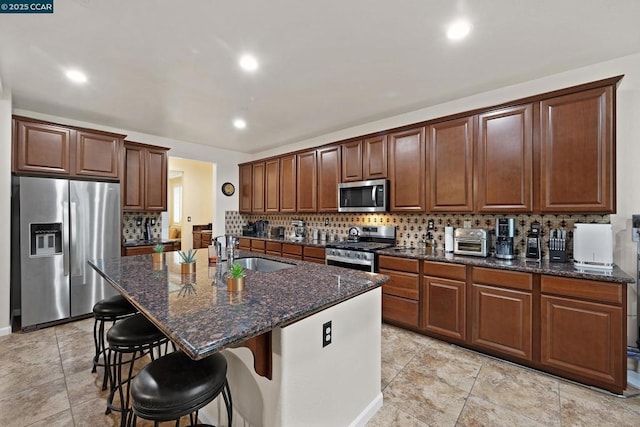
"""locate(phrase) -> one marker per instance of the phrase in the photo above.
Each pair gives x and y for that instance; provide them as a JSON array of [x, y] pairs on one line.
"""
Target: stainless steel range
[[358, 251]]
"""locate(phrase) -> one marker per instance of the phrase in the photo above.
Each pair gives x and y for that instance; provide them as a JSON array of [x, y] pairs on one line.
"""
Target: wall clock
[[228, 189]]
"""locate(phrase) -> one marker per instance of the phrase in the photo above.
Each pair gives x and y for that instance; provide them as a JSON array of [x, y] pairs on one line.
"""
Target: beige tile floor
[[46, 380]]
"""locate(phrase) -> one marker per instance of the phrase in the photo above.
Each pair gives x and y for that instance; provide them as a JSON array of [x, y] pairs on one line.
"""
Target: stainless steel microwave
[[363, 196]]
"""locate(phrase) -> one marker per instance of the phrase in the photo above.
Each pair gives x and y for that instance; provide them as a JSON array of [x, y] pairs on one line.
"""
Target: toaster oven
[[471, 241]]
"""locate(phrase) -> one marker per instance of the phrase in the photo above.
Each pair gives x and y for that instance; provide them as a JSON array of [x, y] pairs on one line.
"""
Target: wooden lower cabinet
[[502, 312], [401, 294], [584, 340], [258, 246], [273, 248], [313, 254], [443, 300], [244, 243], [144, 250], [292, 251]]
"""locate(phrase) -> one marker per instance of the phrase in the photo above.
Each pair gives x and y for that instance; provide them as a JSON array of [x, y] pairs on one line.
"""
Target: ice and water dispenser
[[46, 239]]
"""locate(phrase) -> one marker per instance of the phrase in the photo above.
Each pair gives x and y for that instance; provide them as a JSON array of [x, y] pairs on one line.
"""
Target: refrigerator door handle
[[65, 240], [77, 264]]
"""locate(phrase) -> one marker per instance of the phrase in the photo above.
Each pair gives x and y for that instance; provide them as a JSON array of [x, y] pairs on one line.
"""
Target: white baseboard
[[5, 331], [368, 412]]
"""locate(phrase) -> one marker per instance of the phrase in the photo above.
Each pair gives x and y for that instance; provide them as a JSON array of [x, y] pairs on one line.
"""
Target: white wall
[[628, 142], [5, 202]]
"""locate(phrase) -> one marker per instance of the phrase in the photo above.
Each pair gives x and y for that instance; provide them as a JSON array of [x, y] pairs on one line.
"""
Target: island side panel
[[339, 384]]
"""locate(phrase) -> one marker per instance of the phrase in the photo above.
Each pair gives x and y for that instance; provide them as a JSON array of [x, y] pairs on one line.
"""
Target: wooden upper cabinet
[[504, 160], [245, 183], [97, 154], [272, 185], [257, 187], [306, 182], [144, 182], [352, 161], [328, 178], [156, 179], [577, 152], [374, 157], [42, 148], [134, 176], [288, 177], [450, 177], [407, 170]]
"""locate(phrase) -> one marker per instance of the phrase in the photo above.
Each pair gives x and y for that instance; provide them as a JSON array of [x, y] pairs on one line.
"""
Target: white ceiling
[[170, 68]]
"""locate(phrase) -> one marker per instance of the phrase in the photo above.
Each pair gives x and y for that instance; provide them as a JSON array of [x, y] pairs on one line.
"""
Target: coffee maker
[[505, 230], [533, 241]]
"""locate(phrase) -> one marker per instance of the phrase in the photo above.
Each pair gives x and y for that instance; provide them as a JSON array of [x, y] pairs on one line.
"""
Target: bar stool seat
[[135, 336], [109, 309], [176, 385]]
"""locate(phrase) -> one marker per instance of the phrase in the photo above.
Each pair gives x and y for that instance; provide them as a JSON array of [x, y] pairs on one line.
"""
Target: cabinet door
[[352, 161], [444, 307], [400, 310], [401, 284], [97, 154], [156, 180], [257, 187], [504, 160], [42, 148], [328, 178], [407, 170], [133, 180], [577, 152], [272, 185], [245, 182], [502, 320], [374, 158], [584, 339], [306, 179], [450, 177], [288, 178]]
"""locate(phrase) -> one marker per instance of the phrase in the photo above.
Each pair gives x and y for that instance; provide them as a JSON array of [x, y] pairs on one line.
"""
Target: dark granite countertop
[[566, 269], [202, 317], [148, 242]]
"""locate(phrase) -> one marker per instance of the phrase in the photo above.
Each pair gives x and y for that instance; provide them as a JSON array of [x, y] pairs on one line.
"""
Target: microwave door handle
[[373, 196]]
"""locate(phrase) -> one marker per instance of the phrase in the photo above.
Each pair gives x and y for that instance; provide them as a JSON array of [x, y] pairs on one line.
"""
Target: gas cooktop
[[359, 246], [367, 238]]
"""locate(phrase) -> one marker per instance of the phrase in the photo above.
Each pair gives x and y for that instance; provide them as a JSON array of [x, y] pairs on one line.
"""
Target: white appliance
[[593, 246]]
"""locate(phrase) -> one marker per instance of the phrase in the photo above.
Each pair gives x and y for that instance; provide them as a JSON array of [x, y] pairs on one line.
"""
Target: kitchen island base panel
[[339, 384]]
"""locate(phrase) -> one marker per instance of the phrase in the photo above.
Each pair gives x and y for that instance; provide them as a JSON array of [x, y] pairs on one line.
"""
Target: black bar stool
[[133, 337], [175, 385], [107, 310]]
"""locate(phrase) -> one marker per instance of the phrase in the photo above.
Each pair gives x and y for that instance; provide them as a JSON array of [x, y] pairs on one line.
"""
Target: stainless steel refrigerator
[[57, 225]]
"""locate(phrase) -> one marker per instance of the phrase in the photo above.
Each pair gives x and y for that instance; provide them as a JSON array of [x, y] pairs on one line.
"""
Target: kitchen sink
[[262, 264]]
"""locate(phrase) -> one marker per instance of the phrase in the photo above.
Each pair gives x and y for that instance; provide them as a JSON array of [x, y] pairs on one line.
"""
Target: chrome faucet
[[218, 246], [232, 242]]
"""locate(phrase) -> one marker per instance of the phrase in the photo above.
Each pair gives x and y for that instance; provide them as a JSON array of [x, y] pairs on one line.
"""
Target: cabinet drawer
[[588, 289], [401, 284], [313, 252], [509, 279], [257, 244], [288, 248], [443, 269], [400, 310], [274, 247], [244, 243], [402, 264]]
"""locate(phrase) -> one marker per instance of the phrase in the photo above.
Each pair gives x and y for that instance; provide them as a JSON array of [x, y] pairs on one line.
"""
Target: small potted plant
[[188, 264], [158, 254], [235, 278]]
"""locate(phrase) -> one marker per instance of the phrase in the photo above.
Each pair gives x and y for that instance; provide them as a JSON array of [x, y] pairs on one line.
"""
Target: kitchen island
[[282, 316]]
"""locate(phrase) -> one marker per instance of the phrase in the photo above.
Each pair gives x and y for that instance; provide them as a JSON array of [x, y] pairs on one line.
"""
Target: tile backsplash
[[130, 231], [411, 227]]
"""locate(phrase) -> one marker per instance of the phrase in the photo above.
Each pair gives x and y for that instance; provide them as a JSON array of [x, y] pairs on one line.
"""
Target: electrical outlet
[[430, 225], [188, 219], [326, 221], [153, 222], [327, 332]]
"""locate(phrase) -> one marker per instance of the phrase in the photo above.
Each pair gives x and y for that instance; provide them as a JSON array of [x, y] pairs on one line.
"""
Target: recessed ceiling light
[[239, 124], [76, 76], [248, 63], [458, 30]]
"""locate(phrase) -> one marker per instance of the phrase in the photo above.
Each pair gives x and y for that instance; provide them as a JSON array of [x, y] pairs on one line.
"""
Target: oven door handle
[[347, 260]]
